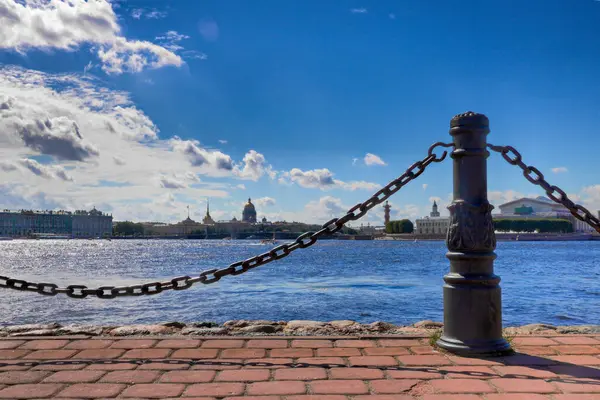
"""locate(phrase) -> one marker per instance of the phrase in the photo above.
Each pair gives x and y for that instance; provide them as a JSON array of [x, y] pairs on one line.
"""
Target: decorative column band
[[471, 227], [470, 153]]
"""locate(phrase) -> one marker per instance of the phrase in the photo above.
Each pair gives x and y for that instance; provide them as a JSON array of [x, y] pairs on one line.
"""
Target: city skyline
[[307, 107]]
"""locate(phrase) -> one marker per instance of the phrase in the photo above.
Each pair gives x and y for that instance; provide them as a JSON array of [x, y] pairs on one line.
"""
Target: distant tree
[[128, 228], [533, 225], [399, 226]]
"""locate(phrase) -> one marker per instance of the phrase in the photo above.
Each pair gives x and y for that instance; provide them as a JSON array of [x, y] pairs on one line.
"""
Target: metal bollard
[[472, 301]]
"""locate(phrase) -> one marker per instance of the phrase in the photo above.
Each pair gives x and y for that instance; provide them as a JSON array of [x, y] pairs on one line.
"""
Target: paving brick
[[516, 396], [576, 349], [253, 398], [87, 376], [10, 344], [312, 344], [524, 372], [293, 353], [154, 390], [356, 373], [130, 377], [244, 375], [355, 343], [30, 391], [579, 386], [429, 360], [577, 340], [387, 351], [579, 360], [44, 344], [92, 390], [576, 371], [243, 353], [187, 376], [276, 388], [316, 397], [195, 353], [576, 397], [59, 366], [474, 361], [533, 341], [461, 386], [223, 344], [178, 344], [88, 344], [373, 361], [16, 377], [99, 354], [100, 366], [536, 350], [390, 386], [523, 385], [338, 352], [12, 354], [385, 397], [267, 344], [300, 374], [50, 354], [317, 361], [133, 344], [423, 350], [414, 373], [469, 372], [451, 397], [339, 387], [215, 389], [147, 353], [524, 359], [400, 342]]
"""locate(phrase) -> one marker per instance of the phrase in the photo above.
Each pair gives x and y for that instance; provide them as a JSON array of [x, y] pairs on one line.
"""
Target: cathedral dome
[[249, 213]]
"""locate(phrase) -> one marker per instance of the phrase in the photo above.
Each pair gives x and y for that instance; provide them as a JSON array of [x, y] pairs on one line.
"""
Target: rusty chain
[[533, 175], [211, 276]]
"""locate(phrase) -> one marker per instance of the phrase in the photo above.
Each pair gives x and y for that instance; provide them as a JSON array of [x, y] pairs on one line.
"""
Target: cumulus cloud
[[222, 141], [264, 202], [372, 159], [171, 183], [45, 171], [170, 40], [66, 25], [7, 167], [325, 208], [501, 197], [139, 13], [241, 186], [354, 161], [424, 186], [254, 167], [361, 10], [323, 179], [201, 157], [559, 170]]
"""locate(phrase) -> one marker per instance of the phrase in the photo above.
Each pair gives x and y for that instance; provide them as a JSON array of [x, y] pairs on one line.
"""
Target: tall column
[[472, 304]]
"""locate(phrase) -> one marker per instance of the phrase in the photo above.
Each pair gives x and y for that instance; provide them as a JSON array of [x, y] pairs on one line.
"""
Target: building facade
[[540, 208], [434, 225], [249, 212], [78, 224]]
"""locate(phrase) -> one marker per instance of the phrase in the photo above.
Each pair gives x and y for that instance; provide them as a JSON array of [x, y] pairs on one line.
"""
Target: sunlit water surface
[[366, 281]]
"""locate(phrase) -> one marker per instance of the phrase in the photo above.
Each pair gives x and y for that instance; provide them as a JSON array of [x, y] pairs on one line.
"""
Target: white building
[[540, 207], [434, 224]]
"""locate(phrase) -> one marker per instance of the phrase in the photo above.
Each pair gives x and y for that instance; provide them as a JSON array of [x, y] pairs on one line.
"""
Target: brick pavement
[[544, 368]]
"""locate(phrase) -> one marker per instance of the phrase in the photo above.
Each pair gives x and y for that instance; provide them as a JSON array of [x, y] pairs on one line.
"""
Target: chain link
[[533, 175], [214, 275]]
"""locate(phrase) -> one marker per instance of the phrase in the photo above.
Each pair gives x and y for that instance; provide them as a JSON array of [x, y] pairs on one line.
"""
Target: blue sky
[[287, 99]]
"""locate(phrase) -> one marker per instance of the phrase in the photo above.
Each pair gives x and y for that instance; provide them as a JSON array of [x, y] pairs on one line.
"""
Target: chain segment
[[556, 194], [214, 275]]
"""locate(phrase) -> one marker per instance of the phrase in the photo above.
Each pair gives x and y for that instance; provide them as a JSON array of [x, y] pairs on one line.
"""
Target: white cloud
[[372, 159], [171, 183], [424, 186], [201, 157], [222, 141], [559, 170], [138, 13], [264, 202], [354, 161], [209, 30], [170, 40], [500, 197], [323, 179], [45, 171], [241, 186], [325, 208], [358, 10], [66, 25], [254, 167]]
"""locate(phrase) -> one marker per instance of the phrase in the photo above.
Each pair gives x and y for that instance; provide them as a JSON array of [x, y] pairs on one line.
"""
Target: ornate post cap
[[469, 121]]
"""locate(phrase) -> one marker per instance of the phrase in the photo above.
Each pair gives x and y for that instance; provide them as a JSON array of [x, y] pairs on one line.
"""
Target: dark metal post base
[[474, 348]]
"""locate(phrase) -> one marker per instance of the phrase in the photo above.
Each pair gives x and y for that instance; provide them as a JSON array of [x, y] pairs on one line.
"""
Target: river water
[[366, 281]]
